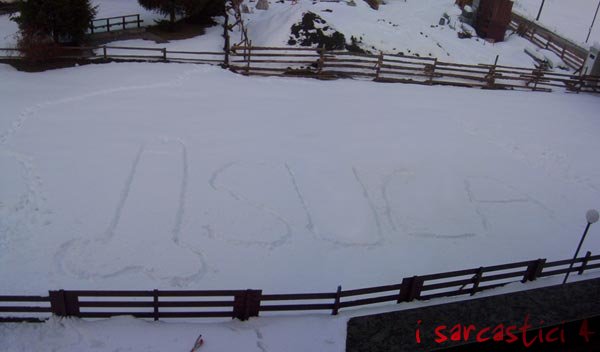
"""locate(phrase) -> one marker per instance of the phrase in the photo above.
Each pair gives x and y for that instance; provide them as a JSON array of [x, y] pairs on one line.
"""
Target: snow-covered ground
[[571, 18], [141, 176], [182, 176]]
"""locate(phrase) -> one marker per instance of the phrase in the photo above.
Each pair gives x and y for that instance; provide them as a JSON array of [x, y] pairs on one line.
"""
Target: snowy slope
[[409, 27]]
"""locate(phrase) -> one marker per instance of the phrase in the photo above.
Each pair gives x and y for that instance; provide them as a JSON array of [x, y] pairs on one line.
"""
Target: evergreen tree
[[187, 8], [60, 19]]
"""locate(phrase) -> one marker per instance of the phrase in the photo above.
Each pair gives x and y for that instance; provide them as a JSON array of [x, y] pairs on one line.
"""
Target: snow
[[210, 172], [571, 18], [178, 176], [409, 27]]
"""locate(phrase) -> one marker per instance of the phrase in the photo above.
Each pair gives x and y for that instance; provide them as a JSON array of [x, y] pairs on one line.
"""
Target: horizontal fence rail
[[325, 64], [334, 64], [124, 53], [243, 304], [572, 54], [121, 22]]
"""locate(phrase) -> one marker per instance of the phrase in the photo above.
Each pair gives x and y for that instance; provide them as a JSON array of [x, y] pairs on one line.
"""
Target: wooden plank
[[24, 299], [114, 304], [369, 290], [447, 284], [207, 293], [295, 307], [502, 276], [297, 296], [115, 314], [449, 274], [366, 301], [189, 304], [122, 293]]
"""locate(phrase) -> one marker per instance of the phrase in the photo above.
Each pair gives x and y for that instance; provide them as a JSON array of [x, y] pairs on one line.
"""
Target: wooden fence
[[123, 53], [572, 54], [243, 304], [122, 22], [324, 64]]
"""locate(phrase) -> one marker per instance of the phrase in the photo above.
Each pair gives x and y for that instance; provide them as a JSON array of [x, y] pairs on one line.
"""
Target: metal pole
[[594, 20], [577, 252], [540, 12]]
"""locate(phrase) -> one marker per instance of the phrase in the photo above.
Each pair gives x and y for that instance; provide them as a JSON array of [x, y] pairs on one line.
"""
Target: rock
[[351, 3], [262, 5]]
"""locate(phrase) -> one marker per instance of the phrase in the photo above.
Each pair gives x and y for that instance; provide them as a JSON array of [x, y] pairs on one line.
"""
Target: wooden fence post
[[164, 53], [246, 304], [410, 289], [155, 303], [432, 73], [321, 62], [104, 52], [378, 65], [534, 269], [227, 45], [586, 259], [57, 303], [107, 25], [336, 302], [248, 58], [92, 26], [139, 23], [476, 280]]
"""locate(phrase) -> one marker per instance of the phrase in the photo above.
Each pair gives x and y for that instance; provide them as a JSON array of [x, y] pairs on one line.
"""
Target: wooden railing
[[243, 304], [572, 54], [324, 64], [122, 22], [123, 53]]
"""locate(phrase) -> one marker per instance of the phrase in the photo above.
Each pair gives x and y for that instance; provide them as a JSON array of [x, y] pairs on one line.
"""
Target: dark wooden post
[[104, 52], [57, 303], [432, 73], [336, 302], [123, 22], [378, 65], [586, 259], [321, 62], [410, 289], [246, 304], [226, 47], [139, 23], [92, 26], [155, 303], [248, 58], [534, 269], [164, 53], [476, 280], [107, 25]]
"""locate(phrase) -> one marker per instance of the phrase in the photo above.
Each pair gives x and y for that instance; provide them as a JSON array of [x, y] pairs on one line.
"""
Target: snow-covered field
[[182, 176], [141, 176]]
